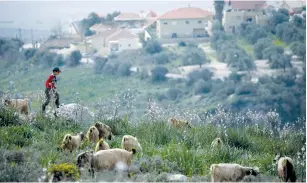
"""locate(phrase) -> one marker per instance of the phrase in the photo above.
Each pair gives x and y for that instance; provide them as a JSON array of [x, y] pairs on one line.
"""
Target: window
[[187, 22], [165, 23], [200, 21], [174, 22], [129, 45]]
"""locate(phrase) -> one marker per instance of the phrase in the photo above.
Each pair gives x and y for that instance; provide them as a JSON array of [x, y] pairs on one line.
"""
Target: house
[[295, 6], [188, 22], [237, 12], [98, 28], [130, 20], [123, 40]]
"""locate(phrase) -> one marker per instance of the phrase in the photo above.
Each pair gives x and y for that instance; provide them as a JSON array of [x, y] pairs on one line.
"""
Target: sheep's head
[[67, 139], [7, 102], [84, 159], [253, 171], [277, 157]]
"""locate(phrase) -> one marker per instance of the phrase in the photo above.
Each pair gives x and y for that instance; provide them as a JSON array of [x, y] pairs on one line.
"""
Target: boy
[[50, 84]]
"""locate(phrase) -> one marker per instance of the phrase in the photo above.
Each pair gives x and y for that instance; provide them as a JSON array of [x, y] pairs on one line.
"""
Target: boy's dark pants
[[47, 94]]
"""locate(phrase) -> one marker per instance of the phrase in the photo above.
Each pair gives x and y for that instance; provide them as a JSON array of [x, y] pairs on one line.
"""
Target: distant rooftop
[[186, 13], [128, 16]]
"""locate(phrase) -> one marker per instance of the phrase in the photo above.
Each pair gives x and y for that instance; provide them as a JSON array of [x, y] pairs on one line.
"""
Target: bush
[[158, 74], [161, 58], [74, 58], [8, 117], [71, 172], [124, 69], [88, 32], [245, 89], [29, 53], [59, 60], [153, 47], [299, 49], [173, 93], [99, 64], [111, 68], [182, 44], [204, 74], [203, 87], [22, 136], [271, 50]]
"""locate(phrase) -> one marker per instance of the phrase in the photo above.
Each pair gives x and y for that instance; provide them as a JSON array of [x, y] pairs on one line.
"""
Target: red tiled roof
[[183, 13], [122, 34], [246, 5], [151, 14], [128, 16]]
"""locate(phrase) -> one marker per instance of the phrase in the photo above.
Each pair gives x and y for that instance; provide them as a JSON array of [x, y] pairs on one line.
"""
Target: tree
[[74, 58], [219, 7], [299, 49], [278, 18], [99, 63], [280, 61], [161, 58], [173, 93], [195, 56], [153, 47], [202, 86], [203, 74], [158, 74], [260, 45], [271, 50]]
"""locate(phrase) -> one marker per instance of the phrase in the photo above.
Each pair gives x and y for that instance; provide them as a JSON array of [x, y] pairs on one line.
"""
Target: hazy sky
[[45, 14]]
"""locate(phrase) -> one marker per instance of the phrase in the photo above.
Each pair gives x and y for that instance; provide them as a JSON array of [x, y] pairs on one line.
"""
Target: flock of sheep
[[106, 158]]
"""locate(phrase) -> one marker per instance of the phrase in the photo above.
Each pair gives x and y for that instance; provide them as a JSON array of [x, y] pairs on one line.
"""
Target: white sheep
[[71, 142], [217, 143], [102, 145], [20, 105], [129, 143], [92, 134], [227, 172], [104, 160], [285, 168]]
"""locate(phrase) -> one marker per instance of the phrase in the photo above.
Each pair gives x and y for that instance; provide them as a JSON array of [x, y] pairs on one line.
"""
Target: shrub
[[173, 93], [203, 87], [8, 117], [245, 89], [74, 58], [22, 136], [203, 74], [153, 47], [161, 58], [182, 44], [29, 53], [70, 171], [124, 69], [299, 49], [158, 74], [59, 60], [271, 50]]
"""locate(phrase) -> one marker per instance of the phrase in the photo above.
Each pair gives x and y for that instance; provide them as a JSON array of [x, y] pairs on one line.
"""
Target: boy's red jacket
[[50, 82]]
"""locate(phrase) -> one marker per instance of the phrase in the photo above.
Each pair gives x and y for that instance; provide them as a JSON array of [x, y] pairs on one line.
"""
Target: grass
[[165, 149], [278, 42]]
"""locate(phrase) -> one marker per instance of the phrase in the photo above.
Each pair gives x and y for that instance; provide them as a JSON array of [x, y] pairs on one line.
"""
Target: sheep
[[179, 123], [285, 168], [20, 105], [102, 145], [226, 172], [129, 143], [92, 134], [71, 142], [217, 143], [104, 160], [104, 131]]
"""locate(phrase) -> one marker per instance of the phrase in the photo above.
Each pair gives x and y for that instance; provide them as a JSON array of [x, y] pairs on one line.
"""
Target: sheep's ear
[[69, 137]]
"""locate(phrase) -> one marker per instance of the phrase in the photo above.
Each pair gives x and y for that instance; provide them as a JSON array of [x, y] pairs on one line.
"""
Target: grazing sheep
[[20, 105], [285, 168], [217, 143], [104, 131], [129, 143], [92, 134], [104, 160], [71, 142], [179, 123], [102, 145], [226, 172]]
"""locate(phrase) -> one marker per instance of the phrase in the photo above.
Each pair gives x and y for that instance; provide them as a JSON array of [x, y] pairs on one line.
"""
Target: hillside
[[165, 149]]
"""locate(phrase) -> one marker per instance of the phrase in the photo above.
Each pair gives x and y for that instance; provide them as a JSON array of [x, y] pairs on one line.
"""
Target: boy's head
[[56, 71]]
